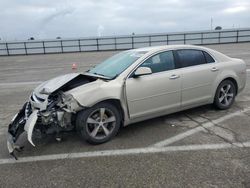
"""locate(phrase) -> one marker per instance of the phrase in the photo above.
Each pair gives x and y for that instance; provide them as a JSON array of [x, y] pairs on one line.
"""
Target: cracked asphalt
[[189, 167]]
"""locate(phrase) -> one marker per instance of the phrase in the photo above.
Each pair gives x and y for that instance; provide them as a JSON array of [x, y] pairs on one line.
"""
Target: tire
[[225, 95], [98, 124]]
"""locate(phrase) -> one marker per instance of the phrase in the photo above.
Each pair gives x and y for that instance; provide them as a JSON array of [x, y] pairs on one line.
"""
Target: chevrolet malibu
[[129, 87]]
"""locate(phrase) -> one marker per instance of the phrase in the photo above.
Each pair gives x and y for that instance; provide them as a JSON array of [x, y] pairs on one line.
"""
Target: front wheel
[[225, 95], [99, 123]]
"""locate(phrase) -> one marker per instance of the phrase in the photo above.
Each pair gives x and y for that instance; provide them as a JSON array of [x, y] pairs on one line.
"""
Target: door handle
[[214, 69], [174, 76]]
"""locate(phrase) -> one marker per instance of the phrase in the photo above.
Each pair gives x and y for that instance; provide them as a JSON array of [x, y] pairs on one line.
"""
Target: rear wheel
[[99, 123], [225, 95]]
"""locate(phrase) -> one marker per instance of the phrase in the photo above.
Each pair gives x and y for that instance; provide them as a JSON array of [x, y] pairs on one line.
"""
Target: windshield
[[116, 64]]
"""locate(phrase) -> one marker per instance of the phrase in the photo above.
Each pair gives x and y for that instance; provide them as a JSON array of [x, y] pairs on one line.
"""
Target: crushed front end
[[16, 128], [44, 114], [50, 109]]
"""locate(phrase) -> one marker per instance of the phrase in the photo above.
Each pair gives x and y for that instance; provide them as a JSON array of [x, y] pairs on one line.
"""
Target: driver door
[[158, 92]]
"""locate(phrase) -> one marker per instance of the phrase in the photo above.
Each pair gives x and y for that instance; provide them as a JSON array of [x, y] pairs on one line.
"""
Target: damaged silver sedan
[[131, 86]]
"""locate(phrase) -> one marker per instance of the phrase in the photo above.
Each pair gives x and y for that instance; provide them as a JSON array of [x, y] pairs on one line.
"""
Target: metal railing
[[123, 42]]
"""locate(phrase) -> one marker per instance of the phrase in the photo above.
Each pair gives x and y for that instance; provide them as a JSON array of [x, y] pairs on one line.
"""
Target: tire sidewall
[[216, 99], [81, 123]]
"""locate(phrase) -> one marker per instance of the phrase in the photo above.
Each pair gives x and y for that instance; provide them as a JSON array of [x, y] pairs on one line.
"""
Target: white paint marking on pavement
[[237, 53], [243, 98], [123, 152], [20, 83], [223, 133], [248, 70], [198, 129]]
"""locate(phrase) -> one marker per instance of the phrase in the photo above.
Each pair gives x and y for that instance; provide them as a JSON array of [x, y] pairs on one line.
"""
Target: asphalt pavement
[[200, 147]]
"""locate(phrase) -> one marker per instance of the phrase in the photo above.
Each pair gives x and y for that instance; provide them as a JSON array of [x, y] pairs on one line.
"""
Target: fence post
[[43, 48], [184, 38], [115, 44], [132, 42], [237, 36], [167, 39], [25, 48], [201, 38], [61, 46], [219, 37], [97, 44], [7, 48], [79, 45], [149, 40]]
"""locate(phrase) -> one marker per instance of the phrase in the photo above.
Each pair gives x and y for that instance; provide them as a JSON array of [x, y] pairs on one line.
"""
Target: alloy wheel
[[226, 95], [101, 123]]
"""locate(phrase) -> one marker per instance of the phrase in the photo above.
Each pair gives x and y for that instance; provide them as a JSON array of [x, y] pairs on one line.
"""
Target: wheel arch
[[225, 75], [218, 104], [234, 82], [117, 103], [231, 78]]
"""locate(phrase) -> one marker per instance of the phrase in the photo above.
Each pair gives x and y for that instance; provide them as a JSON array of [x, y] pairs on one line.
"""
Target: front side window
[[161, 62], [116, 64], [191, 57]]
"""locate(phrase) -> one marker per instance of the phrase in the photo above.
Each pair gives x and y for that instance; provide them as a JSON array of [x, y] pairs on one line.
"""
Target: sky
[[48, 19]]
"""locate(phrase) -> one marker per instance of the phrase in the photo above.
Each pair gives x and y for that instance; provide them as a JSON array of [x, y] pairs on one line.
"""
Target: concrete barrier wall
[[122, 42]]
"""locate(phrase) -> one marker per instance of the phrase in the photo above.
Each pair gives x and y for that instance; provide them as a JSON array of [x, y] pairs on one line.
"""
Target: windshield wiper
[[114, 77], [98, 74]]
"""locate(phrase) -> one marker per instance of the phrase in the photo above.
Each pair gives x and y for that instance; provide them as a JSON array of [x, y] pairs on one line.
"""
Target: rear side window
[[191, 57], [160, 62], [208, 57]]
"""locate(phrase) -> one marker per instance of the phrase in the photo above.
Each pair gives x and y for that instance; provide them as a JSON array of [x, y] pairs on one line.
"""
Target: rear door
[[198, 71], [157, 92]]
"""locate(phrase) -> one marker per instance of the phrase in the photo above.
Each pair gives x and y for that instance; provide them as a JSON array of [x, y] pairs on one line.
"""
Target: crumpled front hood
[[89, 94], [52, 85]]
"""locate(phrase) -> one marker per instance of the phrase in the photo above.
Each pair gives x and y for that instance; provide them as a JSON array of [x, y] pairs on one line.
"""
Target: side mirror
[[142, 71]]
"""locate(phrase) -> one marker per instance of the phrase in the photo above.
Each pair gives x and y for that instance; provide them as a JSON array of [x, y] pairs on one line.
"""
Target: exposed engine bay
[[49, 110]]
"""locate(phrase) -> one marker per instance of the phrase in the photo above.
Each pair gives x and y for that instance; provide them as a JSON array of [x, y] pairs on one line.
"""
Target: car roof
[[166, 47]]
